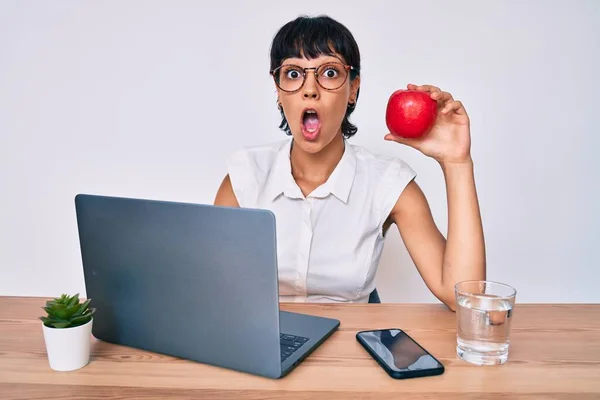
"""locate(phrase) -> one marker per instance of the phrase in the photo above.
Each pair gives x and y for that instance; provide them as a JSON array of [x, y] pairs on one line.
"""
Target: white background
[[148, 98]]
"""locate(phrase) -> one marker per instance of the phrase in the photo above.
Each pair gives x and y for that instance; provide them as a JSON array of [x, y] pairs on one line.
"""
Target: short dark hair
[[312, 37]]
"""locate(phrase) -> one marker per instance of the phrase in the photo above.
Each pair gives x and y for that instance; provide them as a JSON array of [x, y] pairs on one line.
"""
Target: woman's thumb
[[406, 141]]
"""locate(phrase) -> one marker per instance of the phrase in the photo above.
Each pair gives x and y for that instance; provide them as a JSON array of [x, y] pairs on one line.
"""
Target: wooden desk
[[555, 354]]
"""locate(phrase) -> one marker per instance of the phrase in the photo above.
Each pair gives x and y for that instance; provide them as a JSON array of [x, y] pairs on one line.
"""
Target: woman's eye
[[292, 74], [331, 73]]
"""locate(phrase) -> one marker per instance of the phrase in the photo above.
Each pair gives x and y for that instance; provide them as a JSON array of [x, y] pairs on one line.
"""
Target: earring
[[279, 107], [352, 105]]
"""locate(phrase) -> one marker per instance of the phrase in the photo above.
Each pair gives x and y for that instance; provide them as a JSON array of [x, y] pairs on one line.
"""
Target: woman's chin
[[308, 145], [312, 143]]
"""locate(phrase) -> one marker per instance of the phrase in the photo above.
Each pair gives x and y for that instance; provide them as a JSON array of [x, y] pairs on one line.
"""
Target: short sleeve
[[394, 180], [243, 180]]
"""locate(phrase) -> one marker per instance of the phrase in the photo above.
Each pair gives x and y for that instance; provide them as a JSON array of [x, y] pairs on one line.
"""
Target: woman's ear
[[354, 86]]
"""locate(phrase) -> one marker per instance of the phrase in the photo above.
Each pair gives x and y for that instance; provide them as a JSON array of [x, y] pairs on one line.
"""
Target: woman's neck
[[317, 167]]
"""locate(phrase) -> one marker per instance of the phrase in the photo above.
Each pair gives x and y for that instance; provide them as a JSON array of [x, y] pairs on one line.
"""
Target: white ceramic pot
[[68, 348]]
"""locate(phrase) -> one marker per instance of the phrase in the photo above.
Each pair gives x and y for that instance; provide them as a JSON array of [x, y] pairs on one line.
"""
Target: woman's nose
[[310, 87]]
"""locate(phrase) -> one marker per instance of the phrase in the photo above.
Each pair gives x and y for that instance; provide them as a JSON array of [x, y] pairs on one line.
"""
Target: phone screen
[[398, 350]]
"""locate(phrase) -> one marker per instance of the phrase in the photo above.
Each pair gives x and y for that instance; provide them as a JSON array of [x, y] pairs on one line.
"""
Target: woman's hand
[[449, 140]]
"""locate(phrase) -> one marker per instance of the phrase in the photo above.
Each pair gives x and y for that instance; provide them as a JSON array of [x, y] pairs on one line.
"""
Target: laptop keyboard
[[289, 344]]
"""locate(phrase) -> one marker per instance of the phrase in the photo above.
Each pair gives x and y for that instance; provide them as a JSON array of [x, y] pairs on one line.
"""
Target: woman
[[334, 201]]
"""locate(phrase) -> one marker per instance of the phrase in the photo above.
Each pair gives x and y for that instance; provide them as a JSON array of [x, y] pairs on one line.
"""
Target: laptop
[[193, 281]]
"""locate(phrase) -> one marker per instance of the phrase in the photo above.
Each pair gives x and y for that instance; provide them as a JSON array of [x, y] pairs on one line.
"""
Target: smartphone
[[399, 354]]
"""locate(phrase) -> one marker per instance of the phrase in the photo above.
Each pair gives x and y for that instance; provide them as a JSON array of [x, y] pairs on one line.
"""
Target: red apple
[[410, 113]]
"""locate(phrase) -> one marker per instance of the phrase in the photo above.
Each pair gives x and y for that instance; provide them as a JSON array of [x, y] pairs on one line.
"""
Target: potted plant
[[67, 332]]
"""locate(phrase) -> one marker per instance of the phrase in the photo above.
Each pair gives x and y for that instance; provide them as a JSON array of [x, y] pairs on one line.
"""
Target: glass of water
[[483, 315]]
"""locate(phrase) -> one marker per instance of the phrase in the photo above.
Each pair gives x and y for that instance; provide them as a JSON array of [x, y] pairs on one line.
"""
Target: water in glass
[[484, 317]]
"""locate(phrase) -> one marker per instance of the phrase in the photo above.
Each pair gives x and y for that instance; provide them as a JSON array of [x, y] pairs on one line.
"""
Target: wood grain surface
[[554, 354]]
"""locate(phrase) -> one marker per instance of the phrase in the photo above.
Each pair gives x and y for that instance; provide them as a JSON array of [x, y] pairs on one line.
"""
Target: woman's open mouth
[[311, 125]]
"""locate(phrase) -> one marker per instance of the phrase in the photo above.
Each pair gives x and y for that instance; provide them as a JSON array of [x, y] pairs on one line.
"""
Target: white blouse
[[330, 242]]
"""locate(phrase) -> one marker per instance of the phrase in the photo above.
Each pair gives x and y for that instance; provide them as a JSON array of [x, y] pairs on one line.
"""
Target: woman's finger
[[428, 88], [454, 106], [423, 88], [441, 97], [406, 141]]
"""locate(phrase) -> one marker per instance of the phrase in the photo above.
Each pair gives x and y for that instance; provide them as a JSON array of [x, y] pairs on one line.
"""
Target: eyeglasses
[[330, 76]]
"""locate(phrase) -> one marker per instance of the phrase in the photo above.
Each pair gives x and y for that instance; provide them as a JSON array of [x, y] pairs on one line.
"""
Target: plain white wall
[[147, 99]]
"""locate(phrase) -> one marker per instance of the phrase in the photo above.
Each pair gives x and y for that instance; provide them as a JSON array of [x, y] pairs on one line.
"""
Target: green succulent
[[67, 312]]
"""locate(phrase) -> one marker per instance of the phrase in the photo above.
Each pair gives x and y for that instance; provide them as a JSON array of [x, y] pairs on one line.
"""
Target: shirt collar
[[281, 181]]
